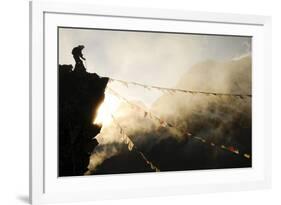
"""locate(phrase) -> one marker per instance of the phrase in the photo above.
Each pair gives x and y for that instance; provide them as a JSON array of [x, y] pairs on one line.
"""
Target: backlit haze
[[149, 58], [160, 59]]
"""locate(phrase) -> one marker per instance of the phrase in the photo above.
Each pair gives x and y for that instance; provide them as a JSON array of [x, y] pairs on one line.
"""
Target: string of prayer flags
[[247, 156], [145, 114], [125, 138], [130, 146], [125, 83], [230, 148], [163, 123], [234, 150], [149, 163], [140, 109], [174, 90]]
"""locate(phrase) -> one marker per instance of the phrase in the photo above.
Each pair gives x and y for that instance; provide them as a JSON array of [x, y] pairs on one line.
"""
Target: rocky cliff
[[80, 94]]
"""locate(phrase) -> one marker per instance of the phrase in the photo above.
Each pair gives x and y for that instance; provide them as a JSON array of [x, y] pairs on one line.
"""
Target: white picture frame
[[46, 187]]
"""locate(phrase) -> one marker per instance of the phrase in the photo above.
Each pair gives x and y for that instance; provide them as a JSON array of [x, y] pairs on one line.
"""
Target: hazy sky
[[162, 59], [150, 58]]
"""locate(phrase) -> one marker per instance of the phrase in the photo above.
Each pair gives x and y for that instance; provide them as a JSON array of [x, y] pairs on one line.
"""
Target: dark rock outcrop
[[80, 94]]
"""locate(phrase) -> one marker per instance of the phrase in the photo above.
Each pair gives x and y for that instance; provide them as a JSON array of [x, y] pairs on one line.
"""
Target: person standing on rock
[[77, 55]]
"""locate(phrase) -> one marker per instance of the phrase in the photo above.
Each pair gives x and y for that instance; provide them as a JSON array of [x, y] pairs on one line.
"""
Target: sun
[[106, 109]]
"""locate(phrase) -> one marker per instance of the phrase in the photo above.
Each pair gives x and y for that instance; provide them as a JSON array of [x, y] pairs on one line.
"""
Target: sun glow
[[106, 109]]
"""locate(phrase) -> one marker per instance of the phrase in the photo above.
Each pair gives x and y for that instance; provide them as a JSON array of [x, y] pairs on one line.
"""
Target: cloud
[[100, 154], [222, 120]]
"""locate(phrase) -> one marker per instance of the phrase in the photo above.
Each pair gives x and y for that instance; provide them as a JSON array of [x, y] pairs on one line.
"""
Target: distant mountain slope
[[225, 119], [222, 120], [231, 76], [223, 77]]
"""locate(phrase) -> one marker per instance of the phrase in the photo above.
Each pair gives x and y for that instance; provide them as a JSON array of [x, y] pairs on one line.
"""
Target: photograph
[[137, 101]]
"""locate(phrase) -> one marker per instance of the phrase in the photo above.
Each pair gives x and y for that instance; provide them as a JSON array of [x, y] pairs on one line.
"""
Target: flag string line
[[173, 90], [127, 140], [163, 123]]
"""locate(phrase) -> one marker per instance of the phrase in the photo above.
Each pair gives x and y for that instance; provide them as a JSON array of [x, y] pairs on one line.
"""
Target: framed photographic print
[[129, 102]]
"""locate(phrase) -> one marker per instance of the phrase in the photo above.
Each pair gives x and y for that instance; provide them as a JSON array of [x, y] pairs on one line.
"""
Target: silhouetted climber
[[77, 55]]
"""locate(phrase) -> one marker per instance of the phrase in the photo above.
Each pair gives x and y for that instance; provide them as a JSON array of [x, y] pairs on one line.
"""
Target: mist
[[147, 57], [218, 119], [211, 63]]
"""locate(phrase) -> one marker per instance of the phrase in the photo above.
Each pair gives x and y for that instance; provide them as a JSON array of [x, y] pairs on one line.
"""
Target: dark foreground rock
[[80, 94]]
